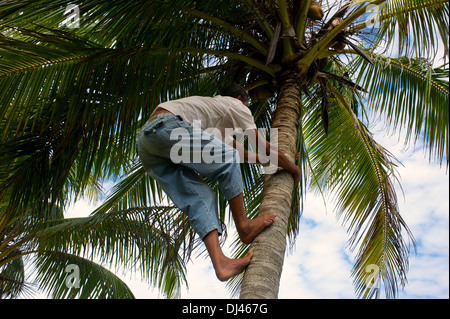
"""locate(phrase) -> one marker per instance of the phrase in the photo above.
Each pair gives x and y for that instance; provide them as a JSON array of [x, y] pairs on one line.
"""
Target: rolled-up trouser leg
[[208, 156]]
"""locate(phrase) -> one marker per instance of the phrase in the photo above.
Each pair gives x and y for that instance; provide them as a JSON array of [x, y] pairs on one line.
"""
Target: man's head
[[236, 91]]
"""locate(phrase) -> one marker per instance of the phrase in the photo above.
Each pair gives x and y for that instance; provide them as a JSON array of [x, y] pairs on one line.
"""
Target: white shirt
[[213, 114]]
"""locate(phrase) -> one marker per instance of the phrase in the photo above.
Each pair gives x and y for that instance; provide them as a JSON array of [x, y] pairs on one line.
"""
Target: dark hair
[[234, 90]]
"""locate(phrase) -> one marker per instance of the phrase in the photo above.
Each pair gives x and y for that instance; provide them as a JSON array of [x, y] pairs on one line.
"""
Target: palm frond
[[364, 193], [104, 114], [148, 241], [137, 189], [416, 27], [145, 240], [412, 96], [68, 276], [12, 278]]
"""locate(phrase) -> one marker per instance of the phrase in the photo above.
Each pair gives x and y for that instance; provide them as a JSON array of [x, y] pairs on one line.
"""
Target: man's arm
[[272, 151], [248, 156], [283, 161]]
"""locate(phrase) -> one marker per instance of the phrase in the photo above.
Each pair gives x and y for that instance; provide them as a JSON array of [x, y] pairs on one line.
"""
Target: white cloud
[[320, 266], [428, 277], [82, 208]]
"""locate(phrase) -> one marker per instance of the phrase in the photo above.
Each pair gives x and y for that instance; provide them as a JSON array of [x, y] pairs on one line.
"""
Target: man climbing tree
[[180, 180]]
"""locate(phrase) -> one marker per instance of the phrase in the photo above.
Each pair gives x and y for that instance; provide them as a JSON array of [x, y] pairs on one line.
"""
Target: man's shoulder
[[218, 102], [217, 98], [232, 103], [193, 100], [229, 99], [201, 100]]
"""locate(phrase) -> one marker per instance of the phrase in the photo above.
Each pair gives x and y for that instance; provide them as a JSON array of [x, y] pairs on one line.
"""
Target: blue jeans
[[178, 175]]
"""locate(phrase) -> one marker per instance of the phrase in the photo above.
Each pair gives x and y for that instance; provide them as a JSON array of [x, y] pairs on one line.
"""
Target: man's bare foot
[[253, 227], [227, 268]]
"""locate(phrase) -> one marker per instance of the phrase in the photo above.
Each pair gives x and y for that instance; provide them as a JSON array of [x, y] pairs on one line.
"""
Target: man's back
[[219, 112]]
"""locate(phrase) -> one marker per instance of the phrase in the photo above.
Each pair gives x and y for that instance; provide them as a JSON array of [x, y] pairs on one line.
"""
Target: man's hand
[[283, 161], [296, 173]]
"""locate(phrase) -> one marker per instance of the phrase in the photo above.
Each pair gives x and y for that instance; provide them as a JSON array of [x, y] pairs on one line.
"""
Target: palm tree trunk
[[262, 277]]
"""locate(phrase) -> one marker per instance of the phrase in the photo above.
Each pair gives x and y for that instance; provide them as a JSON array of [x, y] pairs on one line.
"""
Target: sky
[[320, 264]]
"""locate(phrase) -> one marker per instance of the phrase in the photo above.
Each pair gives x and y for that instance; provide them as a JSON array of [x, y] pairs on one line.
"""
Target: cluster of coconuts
[[315, 12]]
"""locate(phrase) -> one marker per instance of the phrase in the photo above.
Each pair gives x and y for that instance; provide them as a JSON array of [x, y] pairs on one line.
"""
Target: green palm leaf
[[416, 27], [90, 280], [147, 240], [12, 278], [394, 83], [360, 173]]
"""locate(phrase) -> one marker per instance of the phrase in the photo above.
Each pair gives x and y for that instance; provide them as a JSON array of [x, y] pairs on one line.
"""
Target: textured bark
[[262, 277]]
